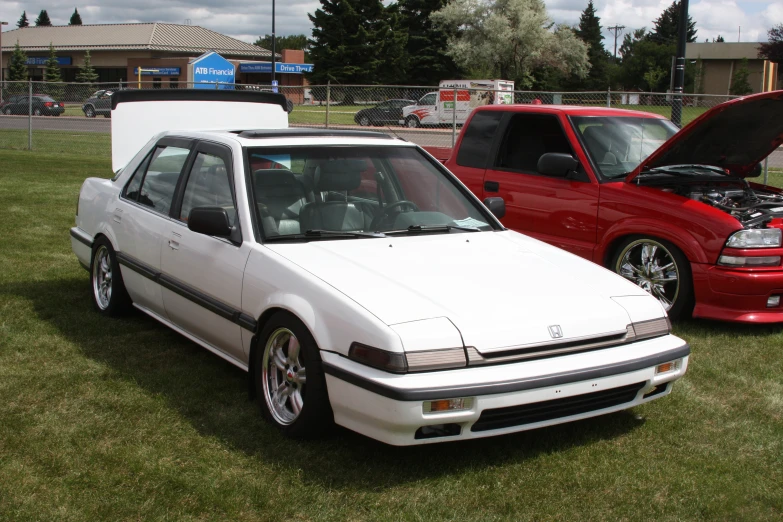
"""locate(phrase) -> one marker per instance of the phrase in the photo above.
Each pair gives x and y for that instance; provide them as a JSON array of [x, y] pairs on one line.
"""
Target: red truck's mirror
[[557, 164]]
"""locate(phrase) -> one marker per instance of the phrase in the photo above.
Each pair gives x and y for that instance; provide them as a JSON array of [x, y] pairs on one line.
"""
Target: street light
[[2, 82], [273, 46]]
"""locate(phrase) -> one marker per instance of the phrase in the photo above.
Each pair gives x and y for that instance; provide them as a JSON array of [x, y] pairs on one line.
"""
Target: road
[[423, 137]]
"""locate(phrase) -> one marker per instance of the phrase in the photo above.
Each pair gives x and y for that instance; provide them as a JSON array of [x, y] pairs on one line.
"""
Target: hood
[[735, 135], [500, 289]]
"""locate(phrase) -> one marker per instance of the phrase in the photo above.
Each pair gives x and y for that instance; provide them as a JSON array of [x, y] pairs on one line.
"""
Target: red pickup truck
[[671, 211]]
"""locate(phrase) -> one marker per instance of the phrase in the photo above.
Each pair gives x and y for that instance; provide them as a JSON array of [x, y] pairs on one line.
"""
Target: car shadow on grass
[[212, 395]]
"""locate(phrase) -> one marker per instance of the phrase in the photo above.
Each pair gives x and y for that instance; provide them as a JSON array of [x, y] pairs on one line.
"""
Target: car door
[[562, 211], [103, 102], [140, 219], [202, 275]]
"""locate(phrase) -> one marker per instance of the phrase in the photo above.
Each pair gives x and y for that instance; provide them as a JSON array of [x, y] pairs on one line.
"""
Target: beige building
[[118, 50], [720, 60]]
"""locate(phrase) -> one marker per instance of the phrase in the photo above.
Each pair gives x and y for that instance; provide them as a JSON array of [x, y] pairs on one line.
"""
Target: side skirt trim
[[557, 379]]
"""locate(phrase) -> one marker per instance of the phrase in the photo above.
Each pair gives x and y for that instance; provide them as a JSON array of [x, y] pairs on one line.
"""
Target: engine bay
[[752, 206]]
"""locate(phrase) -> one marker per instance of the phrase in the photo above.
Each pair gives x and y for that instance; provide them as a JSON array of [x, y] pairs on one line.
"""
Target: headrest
[[274, 178], [344, 174]]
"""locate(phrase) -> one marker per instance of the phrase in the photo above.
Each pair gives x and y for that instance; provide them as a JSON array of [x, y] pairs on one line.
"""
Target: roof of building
[[130, 37], [722, 51]]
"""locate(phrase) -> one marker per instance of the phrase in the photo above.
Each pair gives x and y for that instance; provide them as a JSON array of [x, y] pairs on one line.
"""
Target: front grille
[[498, 418]]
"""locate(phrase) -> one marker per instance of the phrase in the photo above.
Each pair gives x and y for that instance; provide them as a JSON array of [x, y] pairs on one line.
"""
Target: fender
[[645, 226]]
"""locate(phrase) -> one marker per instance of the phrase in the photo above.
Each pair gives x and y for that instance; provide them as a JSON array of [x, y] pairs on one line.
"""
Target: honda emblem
[[555, 331]]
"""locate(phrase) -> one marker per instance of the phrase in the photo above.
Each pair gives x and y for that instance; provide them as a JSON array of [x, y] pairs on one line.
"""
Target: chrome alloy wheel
[[651, 266], [283, 376], [102, 277]]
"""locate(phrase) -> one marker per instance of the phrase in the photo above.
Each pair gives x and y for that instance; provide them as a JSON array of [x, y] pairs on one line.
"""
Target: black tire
[[36, 112], [364, 121], [89, 111], [315, 416], [118, 302], [412, 122], [659, 283], [7, 111]]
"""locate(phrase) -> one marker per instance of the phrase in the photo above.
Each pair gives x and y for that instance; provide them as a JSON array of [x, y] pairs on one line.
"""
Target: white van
[[440, 108]]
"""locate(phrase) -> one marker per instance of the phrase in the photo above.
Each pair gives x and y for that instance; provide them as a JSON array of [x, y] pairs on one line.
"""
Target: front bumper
[[389, 407], [728, 294]]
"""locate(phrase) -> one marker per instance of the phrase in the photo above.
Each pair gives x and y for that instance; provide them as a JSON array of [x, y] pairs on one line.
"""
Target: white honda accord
[[359, 282]]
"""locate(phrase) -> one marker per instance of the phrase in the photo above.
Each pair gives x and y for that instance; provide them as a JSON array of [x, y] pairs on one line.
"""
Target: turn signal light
[[749, 261], [443, 405], [668, 367]]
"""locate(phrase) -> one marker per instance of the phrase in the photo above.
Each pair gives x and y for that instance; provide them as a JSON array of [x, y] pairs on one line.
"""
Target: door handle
[[174, 245], [117, 217], [491, 186]]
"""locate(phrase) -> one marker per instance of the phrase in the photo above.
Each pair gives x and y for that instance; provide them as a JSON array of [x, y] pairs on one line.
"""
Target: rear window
[[44, 98]]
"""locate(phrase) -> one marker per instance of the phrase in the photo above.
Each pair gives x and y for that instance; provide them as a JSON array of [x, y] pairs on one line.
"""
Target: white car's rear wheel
[[290, 382], [108, 289]]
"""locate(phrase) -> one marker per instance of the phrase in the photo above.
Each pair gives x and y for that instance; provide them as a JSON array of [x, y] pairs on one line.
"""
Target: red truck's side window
[[529, 136], [478, 138]]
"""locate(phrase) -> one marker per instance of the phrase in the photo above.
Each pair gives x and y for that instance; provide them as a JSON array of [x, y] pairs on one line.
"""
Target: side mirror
[[211, 221], [497, 206], [756, 172], [557, 164]]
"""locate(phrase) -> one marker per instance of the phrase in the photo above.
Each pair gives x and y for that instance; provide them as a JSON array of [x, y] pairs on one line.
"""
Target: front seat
[[335, 176], [280, 198], [599, 144]]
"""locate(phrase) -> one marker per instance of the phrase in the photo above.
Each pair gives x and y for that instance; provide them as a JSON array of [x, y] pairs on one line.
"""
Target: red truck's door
[[472, 154], [560, 211]]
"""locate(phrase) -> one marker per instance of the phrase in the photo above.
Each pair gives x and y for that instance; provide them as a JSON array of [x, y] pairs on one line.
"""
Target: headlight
[[647, 329], [755, 238], [418, 361]]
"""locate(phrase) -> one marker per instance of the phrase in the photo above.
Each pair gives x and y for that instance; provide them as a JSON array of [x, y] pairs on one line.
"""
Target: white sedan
[[360, 283]]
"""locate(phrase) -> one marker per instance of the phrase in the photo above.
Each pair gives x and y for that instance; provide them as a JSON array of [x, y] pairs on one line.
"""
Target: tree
[[76, 18], [52, 74], [356, 42], [773, 50], [666, 27], [17, 66], [87, 73], [590, 33], [43, 19], [511, 39], [23, 21], [294, 41], [426, 48], [719, 39], [740, 86]]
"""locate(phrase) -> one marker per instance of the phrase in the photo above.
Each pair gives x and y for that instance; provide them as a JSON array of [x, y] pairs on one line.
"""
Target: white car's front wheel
[[290, 382], [412, 122]]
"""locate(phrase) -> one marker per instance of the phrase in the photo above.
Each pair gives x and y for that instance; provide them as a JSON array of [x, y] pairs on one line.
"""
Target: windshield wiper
[[416, 229], [324, 234], [678, 169]]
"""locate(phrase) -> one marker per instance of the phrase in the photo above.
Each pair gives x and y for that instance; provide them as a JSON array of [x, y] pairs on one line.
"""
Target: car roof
[[295, 136]]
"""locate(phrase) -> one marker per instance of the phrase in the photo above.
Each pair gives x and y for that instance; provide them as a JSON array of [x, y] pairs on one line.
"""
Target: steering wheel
[[384, 215]]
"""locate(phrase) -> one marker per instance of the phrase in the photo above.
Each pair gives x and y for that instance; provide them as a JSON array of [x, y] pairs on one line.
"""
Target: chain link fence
[[68, 117]]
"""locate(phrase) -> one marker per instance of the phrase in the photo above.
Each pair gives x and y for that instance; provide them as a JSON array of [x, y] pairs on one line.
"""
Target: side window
[[208, 186], [157, 189], [527, 138], [429, 99], [132, 188], [478, 138]]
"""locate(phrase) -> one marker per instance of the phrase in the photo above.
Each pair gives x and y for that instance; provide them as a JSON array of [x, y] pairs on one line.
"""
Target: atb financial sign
[[210, 69]]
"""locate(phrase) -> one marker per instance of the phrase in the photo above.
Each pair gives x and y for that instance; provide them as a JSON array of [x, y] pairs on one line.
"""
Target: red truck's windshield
[[617, 144]]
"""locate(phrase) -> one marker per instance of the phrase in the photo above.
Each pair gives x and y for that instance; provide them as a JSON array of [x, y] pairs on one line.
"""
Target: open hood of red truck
[[735, 135]]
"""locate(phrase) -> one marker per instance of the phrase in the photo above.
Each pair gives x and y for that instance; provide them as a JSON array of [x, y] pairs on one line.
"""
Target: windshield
[[618, 144], [320, 191]]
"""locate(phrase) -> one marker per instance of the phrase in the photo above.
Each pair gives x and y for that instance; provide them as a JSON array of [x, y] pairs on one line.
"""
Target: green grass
[[122, 419], [94, 144]]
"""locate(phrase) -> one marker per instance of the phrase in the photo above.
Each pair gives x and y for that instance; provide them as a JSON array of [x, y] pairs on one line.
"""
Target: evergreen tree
[[719, 39], [23, 21], [52, 74], [76, 18], [740, 86], [17, 66], [665, 27], [43, 19], [428, 62], [773, 49], [87, 73], [590, 33], [294, 41], [356, 42]]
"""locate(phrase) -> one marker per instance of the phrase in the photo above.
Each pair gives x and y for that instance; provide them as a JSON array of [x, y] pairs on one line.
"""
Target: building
[[719, 61], [163, 52]]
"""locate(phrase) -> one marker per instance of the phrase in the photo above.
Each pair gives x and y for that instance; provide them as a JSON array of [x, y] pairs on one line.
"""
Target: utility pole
[[679, 70], [274, 83], [1, 59], [616, 30]]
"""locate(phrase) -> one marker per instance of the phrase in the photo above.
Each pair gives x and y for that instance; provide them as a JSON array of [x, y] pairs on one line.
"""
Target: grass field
[[123, 419]]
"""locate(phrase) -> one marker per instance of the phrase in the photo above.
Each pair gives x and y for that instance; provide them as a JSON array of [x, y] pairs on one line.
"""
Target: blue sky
[[247, 19]]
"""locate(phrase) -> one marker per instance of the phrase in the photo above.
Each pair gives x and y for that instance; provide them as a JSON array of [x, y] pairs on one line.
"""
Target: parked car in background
[[671, 211], [98, 104], [355, 279], [42, 105], [385, 113]]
